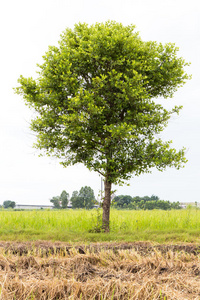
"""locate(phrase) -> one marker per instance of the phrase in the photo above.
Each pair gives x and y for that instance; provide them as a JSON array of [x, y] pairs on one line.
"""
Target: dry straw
[[131, 271]]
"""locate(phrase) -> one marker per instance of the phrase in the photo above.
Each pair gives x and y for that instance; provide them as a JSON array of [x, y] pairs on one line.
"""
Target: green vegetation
[[8, 204], [85, 198], [60, 201], [95, 102], [146, 203], [83, 225]]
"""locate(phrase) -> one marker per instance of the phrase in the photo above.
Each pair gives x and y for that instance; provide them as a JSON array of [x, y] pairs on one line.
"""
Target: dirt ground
[[140, 270]]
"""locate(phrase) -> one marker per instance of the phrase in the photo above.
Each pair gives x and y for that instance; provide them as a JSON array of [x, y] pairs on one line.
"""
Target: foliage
[[84, 198], [94, 99], [60, 201], [175, 205], [56, 202], [74, 199], [97, 221], [9, 204], [64, 198], [146, 203], [122, 201]]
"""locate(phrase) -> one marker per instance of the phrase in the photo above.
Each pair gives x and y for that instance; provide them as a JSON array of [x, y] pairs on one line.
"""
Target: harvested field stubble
[[99, 271]]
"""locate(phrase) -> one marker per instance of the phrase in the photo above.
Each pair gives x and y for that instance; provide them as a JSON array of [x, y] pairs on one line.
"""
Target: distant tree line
[[85, 198], [145, 203]]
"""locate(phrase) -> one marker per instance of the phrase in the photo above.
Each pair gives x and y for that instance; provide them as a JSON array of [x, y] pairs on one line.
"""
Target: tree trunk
[[106, 206]]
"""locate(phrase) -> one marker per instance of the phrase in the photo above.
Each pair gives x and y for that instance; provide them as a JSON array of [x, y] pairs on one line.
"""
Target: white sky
[[27, 29]]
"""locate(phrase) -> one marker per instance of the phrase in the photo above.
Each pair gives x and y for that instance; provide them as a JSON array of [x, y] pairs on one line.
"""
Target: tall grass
[[155, 220], [80, 225], [75, 220]]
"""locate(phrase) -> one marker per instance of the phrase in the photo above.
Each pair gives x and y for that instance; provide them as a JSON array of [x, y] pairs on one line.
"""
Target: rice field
[[129, 271], [85, 225], [58, 255]]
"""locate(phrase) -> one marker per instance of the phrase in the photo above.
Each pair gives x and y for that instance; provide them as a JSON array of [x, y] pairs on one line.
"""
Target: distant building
[[183, 206], [26, 206], [186, 204]]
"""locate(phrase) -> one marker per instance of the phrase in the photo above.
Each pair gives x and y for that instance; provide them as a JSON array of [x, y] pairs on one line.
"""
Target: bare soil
[[140, 270]]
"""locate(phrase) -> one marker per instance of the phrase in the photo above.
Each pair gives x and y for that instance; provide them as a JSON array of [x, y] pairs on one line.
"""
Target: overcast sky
[[27, 29]]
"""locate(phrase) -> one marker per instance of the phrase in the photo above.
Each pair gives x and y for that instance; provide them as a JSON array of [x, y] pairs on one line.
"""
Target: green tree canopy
[[74, 200], [9, 204], [56, 202], [95, 102], [84, 199], [146, 198], [122, 201], [145, 202], [64, 198], [60, 201]]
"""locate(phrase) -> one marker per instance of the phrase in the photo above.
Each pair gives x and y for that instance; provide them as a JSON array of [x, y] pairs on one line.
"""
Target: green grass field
[[82, 225]]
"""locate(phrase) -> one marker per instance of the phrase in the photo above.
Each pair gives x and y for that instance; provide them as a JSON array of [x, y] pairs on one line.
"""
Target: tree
[[64, 198], [9, 204], [74, 200], [154, 197], [56, 202], [145, 203], [60, 201], [84, 199], [175, 205], [94, 100], [159, 204], [86, 196], [122, 201]]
